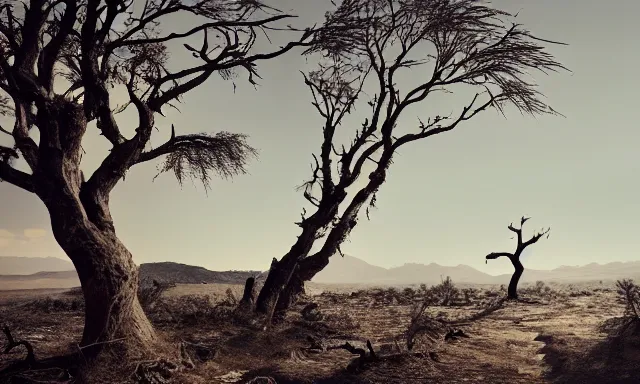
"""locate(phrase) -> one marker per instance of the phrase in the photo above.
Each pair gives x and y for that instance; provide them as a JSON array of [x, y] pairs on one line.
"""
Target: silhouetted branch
[[495, 255], [521, 245], [10, 174]]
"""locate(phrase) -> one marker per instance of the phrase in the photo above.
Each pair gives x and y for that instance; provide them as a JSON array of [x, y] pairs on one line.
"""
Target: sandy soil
[[556, 338]]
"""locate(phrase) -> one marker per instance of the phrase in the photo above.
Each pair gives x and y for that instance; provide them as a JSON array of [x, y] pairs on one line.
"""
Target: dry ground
[[557, 338]]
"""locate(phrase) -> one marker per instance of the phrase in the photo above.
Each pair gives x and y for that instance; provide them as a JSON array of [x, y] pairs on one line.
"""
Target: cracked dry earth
[[553, 341]]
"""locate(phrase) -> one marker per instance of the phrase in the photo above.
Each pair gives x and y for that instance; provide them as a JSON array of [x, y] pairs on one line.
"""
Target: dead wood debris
[[154, 372], [13, 343], [454, 334], [262, 380]]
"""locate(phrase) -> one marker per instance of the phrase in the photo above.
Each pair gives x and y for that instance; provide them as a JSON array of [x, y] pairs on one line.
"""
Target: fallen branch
[[351, 349], [31, 357]]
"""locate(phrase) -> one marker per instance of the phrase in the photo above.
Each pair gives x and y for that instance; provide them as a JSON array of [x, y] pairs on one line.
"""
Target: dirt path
[[507, 346]]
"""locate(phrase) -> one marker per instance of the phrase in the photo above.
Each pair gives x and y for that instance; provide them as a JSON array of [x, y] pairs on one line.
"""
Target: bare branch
[[495, 255], [521, 245], [12, 175]]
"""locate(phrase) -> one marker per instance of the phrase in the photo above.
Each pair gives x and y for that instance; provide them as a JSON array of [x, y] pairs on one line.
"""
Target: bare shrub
[[55, 304], [445, 293], [469, 295], [230, 298], [196, 309], [385, 297], [423, 326], [341, 320], [150, 293], [541, 290], [629, 294]]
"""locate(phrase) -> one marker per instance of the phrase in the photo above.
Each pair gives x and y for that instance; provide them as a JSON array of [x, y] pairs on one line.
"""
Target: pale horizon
[[448, 200]]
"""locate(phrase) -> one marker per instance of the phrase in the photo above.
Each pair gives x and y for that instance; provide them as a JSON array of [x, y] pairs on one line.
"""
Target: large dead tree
[[512, 291], [444, 45], [59, 62]]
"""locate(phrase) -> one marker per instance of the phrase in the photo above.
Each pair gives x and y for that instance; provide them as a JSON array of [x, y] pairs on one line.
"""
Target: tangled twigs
[[154, 372], [12, 343]]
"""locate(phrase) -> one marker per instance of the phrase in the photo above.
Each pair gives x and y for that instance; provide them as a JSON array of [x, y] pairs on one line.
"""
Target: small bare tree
[[370, 43], [59, 62], [512, 291]]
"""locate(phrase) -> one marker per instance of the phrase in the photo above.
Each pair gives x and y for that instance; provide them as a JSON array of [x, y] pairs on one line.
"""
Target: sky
[[447, 200]]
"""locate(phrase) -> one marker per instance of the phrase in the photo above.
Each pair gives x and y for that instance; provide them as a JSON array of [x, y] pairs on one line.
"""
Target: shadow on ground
[[615, 358]]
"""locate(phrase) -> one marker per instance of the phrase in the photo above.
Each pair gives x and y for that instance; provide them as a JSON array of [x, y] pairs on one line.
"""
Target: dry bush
[[383, 297], [541, 290], [445, 294], [196, 309], [424, 327], [342, 321], [150, 292], [470, 295], [50, 304], [629, 294]]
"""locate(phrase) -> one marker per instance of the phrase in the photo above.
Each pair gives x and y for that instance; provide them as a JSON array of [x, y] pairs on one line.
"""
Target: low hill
[[166, 272], [188, 274]]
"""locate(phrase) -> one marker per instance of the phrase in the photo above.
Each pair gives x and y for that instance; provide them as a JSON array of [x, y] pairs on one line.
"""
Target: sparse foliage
[[368, 45]]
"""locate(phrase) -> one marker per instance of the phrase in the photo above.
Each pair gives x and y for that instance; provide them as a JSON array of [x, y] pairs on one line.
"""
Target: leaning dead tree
[[61, 63], [442, 45], [512, 291]]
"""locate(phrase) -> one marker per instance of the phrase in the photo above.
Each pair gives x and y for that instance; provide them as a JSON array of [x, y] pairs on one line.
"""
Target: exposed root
[[12, 343]]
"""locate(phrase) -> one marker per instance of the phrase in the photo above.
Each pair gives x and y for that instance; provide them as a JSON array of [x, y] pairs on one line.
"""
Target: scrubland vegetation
[[585, 333]]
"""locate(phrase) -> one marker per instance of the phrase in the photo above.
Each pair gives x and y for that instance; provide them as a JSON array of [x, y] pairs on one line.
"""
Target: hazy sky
[[448, 199]]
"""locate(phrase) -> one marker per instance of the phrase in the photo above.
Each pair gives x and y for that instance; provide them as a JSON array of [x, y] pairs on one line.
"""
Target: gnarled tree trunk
[[512, 291], [83, 227], [109, 280], [306, 267]]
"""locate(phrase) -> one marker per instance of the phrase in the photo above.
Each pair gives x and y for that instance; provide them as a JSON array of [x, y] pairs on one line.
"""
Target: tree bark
[[512, 292], [107, 273], [248, 296], [109, 280], [309, 266], [278, 277]]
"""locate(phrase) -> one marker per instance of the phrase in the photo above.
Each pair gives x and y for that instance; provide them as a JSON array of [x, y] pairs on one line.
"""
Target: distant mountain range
[[49, 272], [351, 270], [28, 265]]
